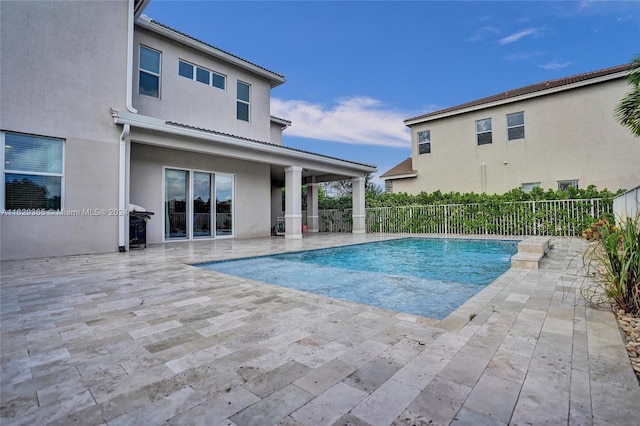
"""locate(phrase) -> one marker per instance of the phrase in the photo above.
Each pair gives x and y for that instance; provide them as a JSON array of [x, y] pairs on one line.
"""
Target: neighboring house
[[553, 134], [103, 107]]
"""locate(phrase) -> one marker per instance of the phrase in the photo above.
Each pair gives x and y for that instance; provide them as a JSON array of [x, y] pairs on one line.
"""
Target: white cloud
[[517, 36], [482, 33], [355, 120], [555, 65]]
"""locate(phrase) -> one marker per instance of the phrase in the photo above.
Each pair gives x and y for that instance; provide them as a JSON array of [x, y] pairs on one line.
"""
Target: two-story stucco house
[[103, 108], [551, 134]]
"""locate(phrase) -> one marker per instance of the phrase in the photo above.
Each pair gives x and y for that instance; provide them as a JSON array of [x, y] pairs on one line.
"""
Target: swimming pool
[[424, 276]]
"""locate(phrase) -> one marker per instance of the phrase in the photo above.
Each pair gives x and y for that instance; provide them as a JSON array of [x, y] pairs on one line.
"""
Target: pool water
[[423, 276]]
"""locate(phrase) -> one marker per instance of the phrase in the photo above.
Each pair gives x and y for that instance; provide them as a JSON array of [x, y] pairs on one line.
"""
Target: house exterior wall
[[191, 102], [568, 135], [276, 134], [252, 187], [57, 83]]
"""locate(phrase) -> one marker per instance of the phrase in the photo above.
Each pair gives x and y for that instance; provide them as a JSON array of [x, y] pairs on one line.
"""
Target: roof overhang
[[215, 143], [281, 121], [413, 174], [138, 7], [459, 111], [147, 23]]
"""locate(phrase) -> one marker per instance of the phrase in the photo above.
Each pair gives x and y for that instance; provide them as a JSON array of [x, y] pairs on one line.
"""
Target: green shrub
[[616, 254]]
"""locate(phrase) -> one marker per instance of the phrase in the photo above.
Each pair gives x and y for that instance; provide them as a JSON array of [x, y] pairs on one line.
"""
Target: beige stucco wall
[[194, 103], [276, 134], [252, 187], [568, 135], [63, 67]]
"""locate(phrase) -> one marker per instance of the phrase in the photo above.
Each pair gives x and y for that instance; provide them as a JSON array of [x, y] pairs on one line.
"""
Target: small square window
[[243, 111], [149, 60], [149, 84], [243, 91], [202, 75], [528, 187], [185, 69], [218, 80], [565, 184]]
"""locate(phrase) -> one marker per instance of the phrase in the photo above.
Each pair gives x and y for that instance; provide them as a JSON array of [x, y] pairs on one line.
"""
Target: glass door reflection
[[224, 205], [201, 204], [176, 187]]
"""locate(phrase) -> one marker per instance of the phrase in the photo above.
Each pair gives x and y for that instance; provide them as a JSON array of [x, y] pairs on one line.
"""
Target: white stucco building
[[551, 134], [102, 107]]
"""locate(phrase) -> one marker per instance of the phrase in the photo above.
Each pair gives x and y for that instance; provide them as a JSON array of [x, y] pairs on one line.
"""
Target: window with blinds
[[33, 172]]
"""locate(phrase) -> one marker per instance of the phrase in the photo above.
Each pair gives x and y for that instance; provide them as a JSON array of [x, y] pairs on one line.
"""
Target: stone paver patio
[[143, 338]]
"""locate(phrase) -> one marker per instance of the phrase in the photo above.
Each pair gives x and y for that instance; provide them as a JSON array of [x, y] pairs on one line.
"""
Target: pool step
[[530, 251]]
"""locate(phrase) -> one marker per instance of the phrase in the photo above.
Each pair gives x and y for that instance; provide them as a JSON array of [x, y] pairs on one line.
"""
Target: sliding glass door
[[189, 211], [202, 204], [176, 190], [224, 205]]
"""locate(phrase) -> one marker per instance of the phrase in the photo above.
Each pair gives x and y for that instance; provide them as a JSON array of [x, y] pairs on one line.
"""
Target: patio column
[[358, 205], [312, 207], [292, 202]]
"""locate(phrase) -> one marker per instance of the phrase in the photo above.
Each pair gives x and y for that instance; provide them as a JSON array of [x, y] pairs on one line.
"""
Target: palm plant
[[628, 110]]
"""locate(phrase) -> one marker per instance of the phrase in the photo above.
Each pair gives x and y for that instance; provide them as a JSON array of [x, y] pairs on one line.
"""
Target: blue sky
[[355, 70]]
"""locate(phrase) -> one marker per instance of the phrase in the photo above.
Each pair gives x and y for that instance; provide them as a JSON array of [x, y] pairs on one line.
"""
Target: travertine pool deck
[[143, 338]]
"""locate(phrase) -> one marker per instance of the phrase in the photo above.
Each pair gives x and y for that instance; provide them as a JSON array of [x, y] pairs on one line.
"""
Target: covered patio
[[257, 172]]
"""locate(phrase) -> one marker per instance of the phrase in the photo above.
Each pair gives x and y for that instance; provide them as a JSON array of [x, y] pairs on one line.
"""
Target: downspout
[[122, 162], [122, 184], [130, 50]]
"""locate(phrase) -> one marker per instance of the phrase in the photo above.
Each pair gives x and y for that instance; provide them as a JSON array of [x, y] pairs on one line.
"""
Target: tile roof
[[213, 47], [404, 168], [533, 88], [286, 148]]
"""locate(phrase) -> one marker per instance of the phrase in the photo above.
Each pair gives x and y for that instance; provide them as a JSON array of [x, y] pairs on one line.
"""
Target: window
[[197, 204], [424, 142], [203, 75], [243, 101], [185, 69], [149, 65], [528, 187], [218, 80], [483, 131], [33, 172], [565, 184], [515, 126]]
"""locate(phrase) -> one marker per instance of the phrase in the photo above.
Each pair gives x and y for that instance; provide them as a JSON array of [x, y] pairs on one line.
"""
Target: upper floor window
[[483, 131], [424, 142], [565, 184], [33, 172], [515, 126], [149, 64], [203, 75], [243, 101]]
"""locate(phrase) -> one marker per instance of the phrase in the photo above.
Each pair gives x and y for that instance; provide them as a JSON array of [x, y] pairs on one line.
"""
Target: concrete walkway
[[143, 338]]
